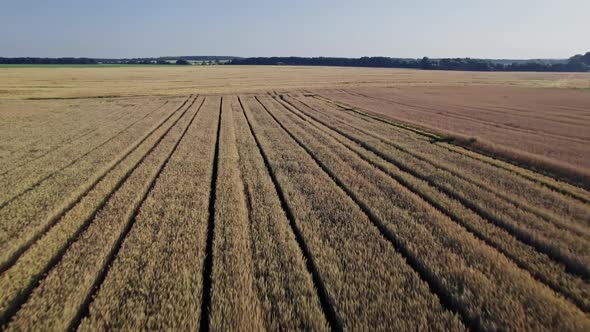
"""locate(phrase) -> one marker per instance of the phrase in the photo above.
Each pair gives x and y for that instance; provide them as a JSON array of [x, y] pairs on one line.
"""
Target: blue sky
[[451, 28]]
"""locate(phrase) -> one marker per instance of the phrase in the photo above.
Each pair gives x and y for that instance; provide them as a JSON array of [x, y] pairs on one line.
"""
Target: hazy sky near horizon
[[145, 28]]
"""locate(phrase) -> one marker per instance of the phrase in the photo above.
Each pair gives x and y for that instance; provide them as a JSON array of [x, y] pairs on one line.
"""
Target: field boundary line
[[55, 218], [488, 110], [449, 213], [415, 130], [495, 162], [476, 120], [507, 109], [571, 266], [445, 299], [208, 262], [83, 311], [542, 215], [25, 293], [321, 290], [450, 139]]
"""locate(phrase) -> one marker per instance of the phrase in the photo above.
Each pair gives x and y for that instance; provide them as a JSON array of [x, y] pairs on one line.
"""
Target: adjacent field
[[545, 129], [295, 210], [47, 83]]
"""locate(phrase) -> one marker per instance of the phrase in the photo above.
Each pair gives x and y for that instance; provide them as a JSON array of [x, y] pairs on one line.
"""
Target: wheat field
[[264, 201]]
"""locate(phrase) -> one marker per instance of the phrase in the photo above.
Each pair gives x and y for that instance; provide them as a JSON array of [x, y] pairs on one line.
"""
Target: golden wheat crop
[[232, 198], [438, 247]]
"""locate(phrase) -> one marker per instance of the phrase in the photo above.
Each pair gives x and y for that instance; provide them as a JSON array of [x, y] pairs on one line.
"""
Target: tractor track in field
[[56, 217], [495, 161], [449, 213], [26, 292], [573, 267], [428, 111], [342, 220], [208, 263], [436, 288], [84, 309], [53, 173], [73, 139], [547, 217], [322, 292]]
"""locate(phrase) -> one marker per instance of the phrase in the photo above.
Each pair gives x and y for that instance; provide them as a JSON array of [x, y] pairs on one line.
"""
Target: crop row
[[156, 280], [366, 280], [542, 203], [54, 304], [561, 243], [526, 257], [29, 174], [22, 220], [290, 213], [499, 166], [45, 128], [462, 269]]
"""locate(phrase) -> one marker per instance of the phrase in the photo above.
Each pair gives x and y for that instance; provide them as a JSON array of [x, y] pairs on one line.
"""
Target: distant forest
[[577, 63], [167, 60], [47, 61]]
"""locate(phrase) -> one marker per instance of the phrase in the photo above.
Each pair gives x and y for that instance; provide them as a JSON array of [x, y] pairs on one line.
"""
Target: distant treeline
[[166, 60], [48, 61], [142, 61], [576, 63], [199, 58], [180, 60]]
